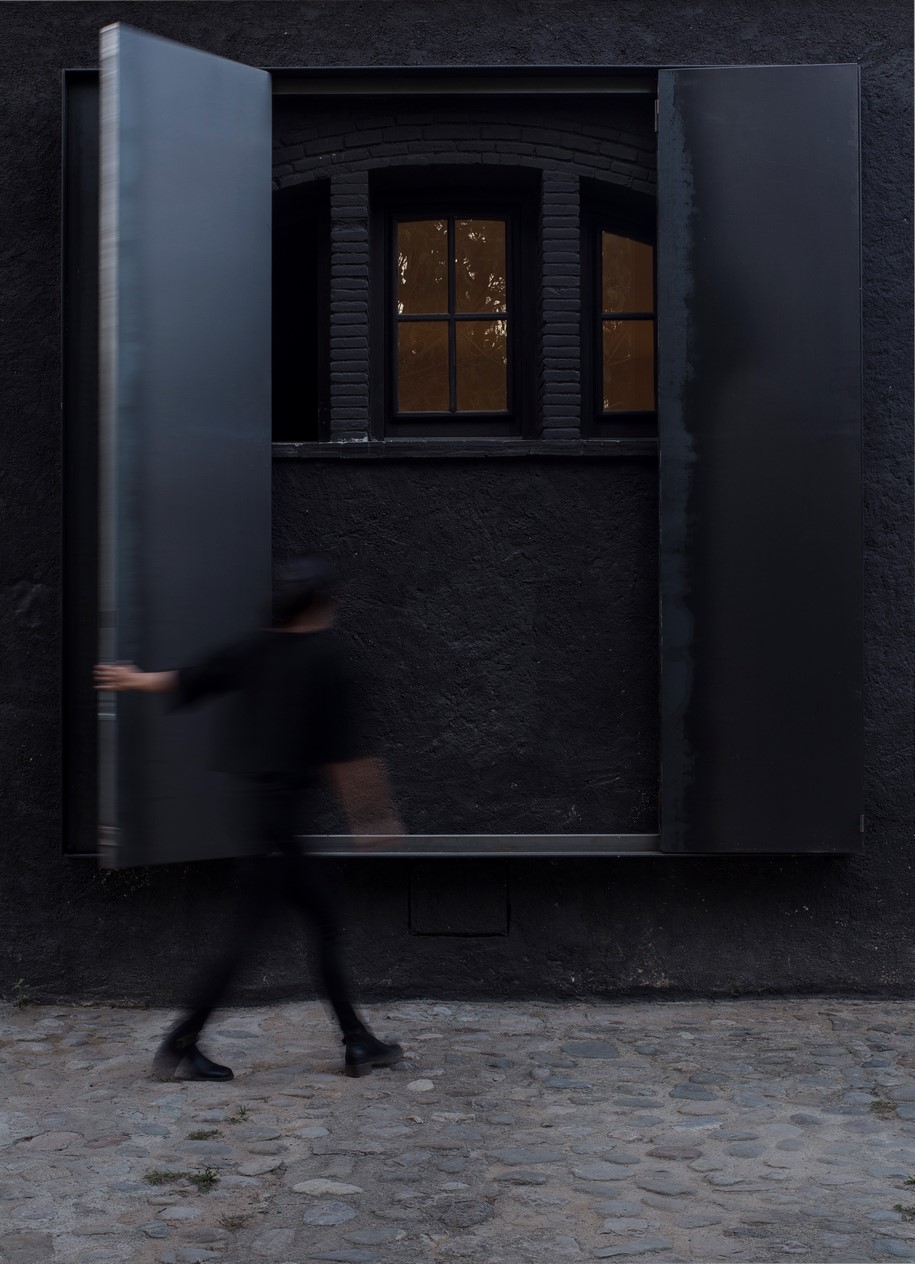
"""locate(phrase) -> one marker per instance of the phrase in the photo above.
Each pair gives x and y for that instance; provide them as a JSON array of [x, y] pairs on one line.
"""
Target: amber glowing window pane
[[422, 267], [422, 366], [482, 363], [627, 274], [628, 356], [479, 265]]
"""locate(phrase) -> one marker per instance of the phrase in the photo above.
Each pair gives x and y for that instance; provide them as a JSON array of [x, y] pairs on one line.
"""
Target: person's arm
[[361, 786], [218, 673], [118, 677]]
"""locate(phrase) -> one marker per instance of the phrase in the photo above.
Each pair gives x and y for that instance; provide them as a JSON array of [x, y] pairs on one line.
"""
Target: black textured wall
[[605, 927], [509, 612]]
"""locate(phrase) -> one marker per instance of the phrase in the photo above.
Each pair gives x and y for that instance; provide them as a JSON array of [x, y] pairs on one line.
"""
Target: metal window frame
[[436, 81], [490, 846], [515, 81], [580, 82]]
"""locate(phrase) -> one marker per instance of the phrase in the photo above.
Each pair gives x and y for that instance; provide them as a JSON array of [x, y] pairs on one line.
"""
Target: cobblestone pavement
[[745, 1130]]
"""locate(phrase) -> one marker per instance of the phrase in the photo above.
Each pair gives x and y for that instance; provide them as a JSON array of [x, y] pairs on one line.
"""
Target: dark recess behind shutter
[[80, 458]]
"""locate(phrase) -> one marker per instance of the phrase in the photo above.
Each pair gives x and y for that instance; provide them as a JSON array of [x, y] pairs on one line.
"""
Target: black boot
[[179, 1049], [364, 1051]]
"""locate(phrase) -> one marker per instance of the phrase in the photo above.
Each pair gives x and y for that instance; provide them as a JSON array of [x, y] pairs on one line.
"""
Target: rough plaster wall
[[509, 609], [599, 926]]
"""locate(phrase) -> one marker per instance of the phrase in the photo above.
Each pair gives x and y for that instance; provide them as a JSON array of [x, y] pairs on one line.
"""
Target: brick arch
[[573, 145], [410, 162]]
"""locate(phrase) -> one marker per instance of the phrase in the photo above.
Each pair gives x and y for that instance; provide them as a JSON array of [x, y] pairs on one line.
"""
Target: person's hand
[[118, 676], [376, 833], [361, 785]]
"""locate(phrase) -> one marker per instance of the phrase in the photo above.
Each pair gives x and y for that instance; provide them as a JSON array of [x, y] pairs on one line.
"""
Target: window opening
[[619, 310], [301, 305], [627, 324]]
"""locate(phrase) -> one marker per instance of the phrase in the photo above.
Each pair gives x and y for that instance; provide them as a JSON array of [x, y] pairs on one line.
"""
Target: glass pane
[[628, 365], [627, 274], [479, 274], [482, 365], [422, 267], [422, 366]]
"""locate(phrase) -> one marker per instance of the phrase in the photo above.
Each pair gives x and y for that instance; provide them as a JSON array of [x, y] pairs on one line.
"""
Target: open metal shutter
[[760, 448], [184, 418]]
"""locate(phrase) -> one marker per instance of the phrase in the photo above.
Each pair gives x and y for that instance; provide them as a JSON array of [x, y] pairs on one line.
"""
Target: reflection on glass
[[627, 274], [482, 359], [479, 275], [628, 355], [422, 267], [422, 366]]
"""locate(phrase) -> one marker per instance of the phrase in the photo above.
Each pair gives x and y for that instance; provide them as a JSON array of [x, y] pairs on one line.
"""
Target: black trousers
[[281, 873]]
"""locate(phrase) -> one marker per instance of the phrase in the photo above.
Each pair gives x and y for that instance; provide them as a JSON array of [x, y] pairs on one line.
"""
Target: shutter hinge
[[656, 111], [861, 823]]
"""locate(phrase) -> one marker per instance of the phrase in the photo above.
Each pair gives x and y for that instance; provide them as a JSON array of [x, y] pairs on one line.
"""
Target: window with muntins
[[452, 306], [451, 316], [450, 361]]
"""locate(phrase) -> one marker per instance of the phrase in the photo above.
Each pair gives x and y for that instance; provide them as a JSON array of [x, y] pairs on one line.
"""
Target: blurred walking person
[[297, 716]]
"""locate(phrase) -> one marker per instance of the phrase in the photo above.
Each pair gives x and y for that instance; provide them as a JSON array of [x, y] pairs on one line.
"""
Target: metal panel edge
[[109, 92]]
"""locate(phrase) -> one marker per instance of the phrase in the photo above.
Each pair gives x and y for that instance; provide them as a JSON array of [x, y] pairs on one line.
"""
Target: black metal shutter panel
[[185, 418], [760, 445]]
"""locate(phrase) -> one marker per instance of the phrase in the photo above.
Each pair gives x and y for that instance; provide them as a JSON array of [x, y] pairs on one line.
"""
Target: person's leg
[[309, 890], [308, 887], [257, 881]]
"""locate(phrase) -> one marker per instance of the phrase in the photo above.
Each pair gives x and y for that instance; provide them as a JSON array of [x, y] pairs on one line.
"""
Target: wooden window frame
[[464, 200]]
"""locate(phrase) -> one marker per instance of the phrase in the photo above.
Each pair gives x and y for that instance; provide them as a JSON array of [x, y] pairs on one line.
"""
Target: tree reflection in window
[[627, 324], [451, 315]]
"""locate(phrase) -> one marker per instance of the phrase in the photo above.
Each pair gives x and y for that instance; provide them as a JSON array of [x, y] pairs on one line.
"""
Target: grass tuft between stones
[[204, 1180], [22, 996], [203, 1134]]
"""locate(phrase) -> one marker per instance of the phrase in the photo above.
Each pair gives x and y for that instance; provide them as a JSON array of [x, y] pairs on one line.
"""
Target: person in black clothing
[[295, 715]]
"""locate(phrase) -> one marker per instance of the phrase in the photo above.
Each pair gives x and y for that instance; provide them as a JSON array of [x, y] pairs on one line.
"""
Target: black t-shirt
[[297, 704]]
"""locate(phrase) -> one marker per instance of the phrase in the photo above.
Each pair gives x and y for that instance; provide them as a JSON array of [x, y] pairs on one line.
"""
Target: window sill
[[438, 449]]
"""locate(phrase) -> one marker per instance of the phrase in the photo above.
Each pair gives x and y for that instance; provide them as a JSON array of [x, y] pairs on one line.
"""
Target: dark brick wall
[[612, 143], [601, 927]]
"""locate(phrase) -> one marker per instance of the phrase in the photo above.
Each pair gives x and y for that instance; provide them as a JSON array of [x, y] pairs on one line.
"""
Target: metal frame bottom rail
[[496, 845]]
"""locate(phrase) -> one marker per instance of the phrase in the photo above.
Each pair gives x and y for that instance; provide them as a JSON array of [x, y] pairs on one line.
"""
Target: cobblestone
[[679, 1132]]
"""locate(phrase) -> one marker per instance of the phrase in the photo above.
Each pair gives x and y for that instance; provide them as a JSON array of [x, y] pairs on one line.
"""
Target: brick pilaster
[[349, 307], [561, 330]]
